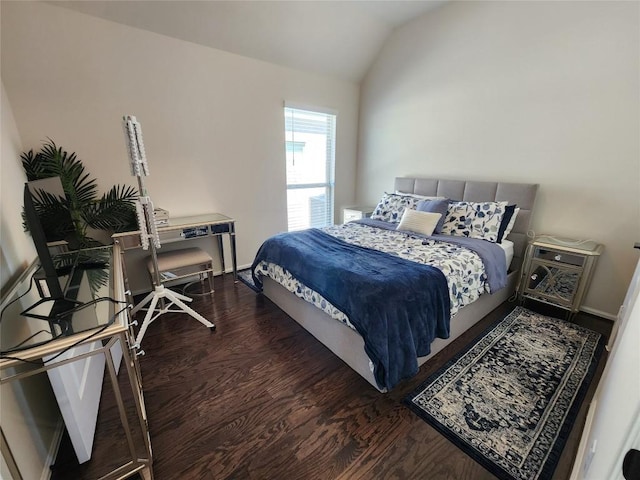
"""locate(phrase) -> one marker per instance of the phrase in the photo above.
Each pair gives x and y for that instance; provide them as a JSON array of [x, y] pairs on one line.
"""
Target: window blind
[[310, 158]]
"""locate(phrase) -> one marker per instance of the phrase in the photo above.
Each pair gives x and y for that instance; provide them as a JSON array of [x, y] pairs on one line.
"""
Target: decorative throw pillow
[[508, 213], [392, 206], [509, 226], [436, 206], [418, 222], [474, 219]]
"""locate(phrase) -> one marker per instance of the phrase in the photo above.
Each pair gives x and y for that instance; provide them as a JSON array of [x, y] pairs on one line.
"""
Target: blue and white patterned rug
[[510, 400], [245, 277]]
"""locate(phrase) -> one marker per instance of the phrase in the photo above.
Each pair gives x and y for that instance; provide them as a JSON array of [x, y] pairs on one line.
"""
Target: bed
[[342, 334]]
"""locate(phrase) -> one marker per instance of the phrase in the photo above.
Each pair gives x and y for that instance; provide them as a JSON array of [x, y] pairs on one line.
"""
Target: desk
[[85, 339], [187, 228]]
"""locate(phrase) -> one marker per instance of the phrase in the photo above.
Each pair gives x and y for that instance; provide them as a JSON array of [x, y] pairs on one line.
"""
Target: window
[[310, 156]]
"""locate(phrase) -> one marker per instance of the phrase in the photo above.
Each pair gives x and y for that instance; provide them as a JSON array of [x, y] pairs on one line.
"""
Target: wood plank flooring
[[260, 398]]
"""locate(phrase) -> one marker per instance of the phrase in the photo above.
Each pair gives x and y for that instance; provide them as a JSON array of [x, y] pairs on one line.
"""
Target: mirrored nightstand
[[557, 271]]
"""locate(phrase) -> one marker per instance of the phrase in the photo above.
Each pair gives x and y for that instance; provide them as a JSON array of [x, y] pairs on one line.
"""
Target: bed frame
[[347, 344]]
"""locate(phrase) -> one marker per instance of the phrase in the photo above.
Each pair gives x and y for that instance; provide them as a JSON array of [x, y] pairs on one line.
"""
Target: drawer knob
[[557, 258]]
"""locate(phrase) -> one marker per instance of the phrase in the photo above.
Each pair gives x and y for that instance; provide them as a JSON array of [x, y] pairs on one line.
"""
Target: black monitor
[[38, 193]]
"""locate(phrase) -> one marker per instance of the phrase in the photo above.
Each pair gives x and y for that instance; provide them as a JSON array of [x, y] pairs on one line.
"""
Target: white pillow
[[418, 222]]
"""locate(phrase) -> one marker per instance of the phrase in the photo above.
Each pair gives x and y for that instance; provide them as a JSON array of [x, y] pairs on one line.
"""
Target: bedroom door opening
[[310, 158]]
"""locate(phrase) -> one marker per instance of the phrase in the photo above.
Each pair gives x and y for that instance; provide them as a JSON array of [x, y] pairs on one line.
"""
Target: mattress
[[507, 246]]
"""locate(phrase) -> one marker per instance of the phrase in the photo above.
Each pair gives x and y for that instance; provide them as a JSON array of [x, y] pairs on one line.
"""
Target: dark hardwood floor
[[260, 398]]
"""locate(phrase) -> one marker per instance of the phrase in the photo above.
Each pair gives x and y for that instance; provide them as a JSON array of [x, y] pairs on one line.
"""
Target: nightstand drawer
[[560, 257]]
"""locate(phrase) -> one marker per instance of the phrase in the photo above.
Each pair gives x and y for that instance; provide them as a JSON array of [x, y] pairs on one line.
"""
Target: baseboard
[[53, 450], [598, 313]]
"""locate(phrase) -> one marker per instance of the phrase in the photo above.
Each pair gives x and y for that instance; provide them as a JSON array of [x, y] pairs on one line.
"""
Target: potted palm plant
[[82, 210]]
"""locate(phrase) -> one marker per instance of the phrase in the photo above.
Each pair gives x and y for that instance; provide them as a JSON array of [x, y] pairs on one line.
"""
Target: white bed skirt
[[348, 345]]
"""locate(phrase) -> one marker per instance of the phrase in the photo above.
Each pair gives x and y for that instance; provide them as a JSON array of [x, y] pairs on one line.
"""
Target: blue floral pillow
[[392, 205], [474, 219]]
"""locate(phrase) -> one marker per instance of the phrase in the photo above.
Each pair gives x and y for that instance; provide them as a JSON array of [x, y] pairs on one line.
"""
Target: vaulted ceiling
[[336, 38]]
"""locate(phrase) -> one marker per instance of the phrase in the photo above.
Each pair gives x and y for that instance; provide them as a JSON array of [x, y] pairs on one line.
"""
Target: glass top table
[[79, 341], [30, 318]]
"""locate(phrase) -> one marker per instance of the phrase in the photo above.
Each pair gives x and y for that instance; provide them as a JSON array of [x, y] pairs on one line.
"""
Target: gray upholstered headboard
[[522, 194]]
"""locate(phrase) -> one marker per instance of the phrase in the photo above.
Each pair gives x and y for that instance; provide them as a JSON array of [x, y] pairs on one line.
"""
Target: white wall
[[16, 249], [612, 426], [213, 125], [541, 92], [28, 410], [213, 122]]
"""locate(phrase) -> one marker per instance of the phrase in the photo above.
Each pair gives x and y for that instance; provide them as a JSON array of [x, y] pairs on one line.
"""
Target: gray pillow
[[435, 206]]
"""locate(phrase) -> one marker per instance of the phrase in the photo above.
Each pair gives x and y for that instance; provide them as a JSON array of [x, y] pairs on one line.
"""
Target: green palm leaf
[[32, 165], [76, 183], [54, 216], [114, 211]]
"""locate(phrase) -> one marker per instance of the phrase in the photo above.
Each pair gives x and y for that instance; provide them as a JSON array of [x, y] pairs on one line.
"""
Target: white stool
[[183, 263]]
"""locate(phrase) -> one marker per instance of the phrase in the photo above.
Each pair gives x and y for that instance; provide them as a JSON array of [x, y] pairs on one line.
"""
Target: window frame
[[329, 161]]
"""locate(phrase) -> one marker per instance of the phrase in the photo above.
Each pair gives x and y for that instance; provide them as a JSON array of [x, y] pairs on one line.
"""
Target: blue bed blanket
[[398, 306]]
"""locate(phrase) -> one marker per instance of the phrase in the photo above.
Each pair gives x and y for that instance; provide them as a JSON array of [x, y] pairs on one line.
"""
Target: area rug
[[245, 277], [510, 399]]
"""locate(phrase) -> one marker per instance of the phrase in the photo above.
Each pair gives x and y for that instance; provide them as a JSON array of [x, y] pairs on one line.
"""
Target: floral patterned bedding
[[463, 268]]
